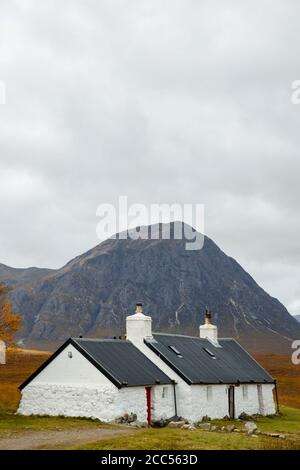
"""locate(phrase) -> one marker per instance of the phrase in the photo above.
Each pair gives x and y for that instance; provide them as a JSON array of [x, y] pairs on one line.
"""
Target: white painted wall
[[214, 407], [217, 405], [2, 352], [250, 403], [103, 402], [71, 371], [163, 405]]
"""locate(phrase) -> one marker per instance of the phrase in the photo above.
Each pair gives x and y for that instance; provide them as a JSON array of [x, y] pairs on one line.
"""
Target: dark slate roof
[[119, 360], [198, 361], [123, 361]]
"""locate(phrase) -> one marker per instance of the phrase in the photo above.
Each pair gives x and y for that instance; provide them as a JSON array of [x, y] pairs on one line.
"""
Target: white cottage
[[154, 375], [2, 352]]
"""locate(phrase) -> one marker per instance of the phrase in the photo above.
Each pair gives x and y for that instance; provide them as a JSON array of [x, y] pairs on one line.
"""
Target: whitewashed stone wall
[[105, 403], [250, 405], [217, 407], [163, 405], [200, 405]]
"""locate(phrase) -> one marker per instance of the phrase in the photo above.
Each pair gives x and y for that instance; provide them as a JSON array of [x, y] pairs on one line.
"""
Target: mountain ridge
[[12, 276]]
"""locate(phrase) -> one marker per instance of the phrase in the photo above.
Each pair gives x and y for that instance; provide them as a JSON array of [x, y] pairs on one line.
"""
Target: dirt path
[[34, 440]]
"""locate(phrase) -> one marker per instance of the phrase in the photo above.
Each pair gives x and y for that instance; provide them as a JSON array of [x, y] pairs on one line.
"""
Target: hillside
[[94, 293], [14, 276]]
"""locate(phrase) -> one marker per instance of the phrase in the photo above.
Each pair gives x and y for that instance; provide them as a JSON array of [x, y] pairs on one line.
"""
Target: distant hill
[[94, 293], [297, 317], [14, 276]]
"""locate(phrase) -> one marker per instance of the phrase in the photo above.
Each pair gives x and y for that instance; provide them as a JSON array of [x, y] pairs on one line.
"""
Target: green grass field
[[178, 439], [11, 423]]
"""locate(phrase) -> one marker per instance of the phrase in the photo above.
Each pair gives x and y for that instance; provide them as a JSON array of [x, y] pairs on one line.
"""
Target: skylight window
[[210, 353], [178, 353]]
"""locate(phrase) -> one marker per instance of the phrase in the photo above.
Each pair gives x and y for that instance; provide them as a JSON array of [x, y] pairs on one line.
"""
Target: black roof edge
[[169, 363], [83, 352]]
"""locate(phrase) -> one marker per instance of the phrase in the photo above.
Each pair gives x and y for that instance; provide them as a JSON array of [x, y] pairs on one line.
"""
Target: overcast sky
[[162, 101]]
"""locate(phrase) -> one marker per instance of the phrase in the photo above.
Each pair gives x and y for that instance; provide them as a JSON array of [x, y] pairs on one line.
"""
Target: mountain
[[94, 293], [297, 317]]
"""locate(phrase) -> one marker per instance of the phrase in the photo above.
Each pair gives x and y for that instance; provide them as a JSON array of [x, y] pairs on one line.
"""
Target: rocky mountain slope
[[94, 293], [297, 317]]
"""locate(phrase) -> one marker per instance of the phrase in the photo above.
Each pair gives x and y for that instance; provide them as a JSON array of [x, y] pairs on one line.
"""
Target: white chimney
[[208, 330], [138, 326]]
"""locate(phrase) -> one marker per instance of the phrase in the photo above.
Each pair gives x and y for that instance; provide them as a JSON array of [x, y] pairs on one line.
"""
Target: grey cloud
[[175, 101]]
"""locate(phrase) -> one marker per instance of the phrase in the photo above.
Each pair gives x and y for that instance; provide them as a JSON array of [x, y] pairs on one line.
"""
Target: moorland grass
[[178, 439]]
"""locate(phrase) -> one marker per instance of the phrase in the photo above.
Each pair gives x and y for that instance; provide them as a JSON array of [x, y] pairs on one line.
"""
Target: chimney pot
[[139, 308], [207, 317]]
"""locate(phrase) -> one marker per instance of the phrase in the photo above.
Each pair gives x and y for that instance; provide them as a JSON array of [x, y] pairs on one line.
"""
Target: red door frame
[[148, 398]]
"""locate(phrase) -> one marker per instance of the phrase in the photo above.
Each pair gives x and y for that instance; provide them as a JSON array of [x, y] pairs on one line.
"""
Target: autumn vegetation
[[287, 374], [10, 321]]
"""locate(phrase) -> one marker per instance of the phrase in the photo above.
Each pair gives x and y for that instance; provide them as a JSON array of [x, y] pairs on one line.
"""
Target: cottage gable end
[[70, 367]]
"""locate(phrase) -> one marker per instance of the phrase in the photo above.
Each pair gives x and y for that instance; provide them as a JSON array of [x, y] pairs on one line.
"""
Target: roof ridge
[[76, 338], [189, 336], [102, 340]]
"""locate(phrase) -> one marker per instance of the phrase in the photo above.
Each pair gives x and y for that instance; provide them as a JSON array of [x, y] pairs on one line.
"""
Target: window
[[210, 353], [70, 355], [164, 392], [178, 353], [209, 393], [245, 392]]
